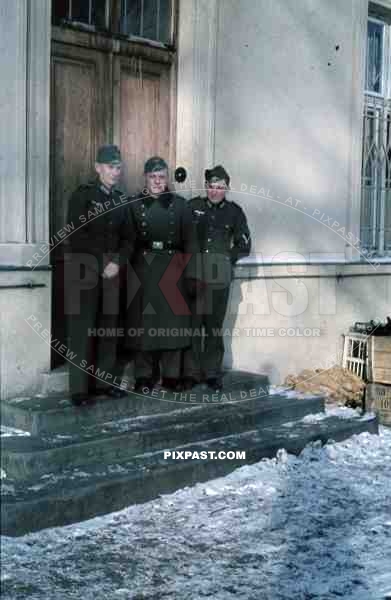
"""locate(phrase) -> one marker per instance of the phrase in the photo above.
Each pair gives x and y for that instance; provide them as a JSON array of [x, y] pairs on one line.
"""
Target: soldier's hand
[[111, 270]]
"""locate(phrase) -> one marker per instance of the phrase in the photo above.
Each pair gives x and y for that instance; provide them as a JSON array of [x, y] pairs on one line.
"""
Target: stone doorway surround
[[25, 28]]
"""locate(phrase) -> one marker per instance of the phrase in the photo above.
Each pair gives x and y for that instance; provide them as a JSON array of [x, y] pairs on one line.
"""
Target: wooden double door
[[99, 97]]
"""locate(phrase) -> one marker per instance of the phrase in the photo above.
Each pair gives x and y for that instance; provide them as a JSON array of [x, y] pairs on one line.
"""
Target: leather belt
[[157, 245]]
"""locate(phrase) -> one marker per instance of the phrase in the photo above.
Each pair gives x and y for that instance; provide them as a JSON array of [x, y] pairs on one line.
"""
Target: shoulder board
[[234, 205], [197, 200], [119, 192]]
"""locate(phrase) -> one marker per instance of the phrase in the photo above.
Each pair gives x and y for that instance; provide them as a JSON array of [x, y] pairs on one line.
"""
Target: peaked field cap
[[155, 163], [218, 173], [109, 154]]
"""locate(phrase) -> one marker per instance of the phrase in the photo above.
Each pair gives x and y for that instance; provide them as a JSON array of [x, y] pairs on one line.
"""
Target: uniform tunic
[[158, 310], [101, 235], [221, 233]]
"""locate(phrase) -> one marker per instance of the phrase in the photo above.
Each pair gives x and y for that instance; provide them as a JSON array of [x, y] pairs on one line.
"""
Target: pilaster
[[25, 32], [197, 59]]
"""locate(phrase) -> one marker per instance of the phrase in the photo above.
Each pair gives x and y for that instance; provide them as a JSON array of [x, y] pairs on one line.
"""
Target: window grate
[[376, 176], [376, 153]]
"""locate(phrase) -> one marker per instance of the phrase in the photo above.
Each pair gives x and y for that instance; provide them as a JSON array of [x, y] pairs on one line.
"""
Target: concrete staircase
[[77, 463]]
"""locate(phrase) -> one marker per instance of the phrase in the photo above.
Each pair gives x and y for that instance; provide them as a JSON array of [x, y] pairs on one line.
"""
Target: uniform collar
[[165, 198], [104, 188], [221, 204]]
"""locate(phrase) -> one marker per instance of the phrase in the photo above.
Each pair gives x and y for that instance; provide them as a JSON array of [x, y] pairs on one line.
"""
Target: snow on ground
[[317, 526]]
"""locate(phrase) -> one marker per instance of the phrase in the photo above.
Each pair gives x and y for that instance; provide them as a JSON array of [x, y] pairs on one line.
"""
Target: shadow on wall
[[292, 147]]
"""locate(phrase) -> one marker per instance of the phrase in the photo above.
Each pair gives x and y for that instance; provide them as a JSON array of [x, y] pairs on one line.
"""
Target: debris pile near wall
[[340, 385]]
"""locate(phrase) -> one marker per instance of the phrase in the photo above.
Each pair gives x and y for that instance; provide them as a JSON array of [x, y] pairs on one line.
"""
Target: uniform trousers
[[92, 316], [204, 359], [146, 364]]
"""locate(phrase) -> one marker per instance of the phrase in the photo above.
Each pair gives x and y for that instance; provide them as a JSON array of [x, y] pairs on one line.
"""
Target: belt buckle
[[157, 245]]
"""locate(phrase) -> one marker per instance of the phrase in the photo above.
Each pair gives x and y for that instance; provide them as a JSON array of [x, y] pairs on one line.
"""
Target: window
[[148, 19], [376, 161], [145, 19], [90, 13]]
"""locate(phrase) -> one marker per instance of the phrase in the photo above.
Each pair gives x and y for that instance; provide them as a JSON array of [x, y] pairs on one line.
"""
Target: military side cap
[[109, 154], [218, 173], [155, 163]]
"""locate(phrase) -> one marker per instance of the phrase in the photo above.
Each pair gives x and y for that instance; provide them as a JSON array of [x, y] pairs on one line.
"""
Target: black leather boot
[[82, 399], [143, 383], [215, 383], [172, 384]]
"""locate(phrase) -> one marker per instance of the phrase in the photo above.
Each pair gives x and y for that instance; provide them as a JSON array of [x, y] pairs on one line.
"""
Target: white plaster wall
[[24, 356], [288, 115], [283, 89], [325, 304]]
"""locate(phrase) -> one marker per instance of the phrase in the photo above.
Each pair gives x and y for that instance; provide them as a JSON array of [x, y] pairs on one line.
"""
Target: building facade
[[293, 99]]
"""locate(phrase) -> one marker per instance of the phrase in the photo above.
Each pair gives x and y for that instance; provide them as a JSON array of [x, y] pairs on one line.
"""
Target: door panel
[[98, 97], [78, 125], [141, 116]]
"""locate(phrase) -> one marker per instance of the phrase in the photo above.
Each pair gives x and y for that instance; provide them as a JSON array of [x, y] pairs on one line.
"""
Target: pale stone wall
[[24, 356], [24, 190], [24, 135], [283, 84], [316, 306], [288, 110]]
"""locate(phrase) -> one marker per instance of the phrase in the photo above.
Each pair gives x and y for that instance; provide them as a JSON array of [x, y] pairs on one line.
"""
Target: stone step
[[76, 495], [118, 441], [55, 382], [50, 414]]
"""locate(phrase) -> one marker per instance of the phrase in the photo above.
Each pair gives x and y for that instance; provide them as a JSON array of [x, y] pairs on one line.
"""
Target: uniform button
[[144, 233], [144, 224], [170, 252], [206, 250], [209, 240]]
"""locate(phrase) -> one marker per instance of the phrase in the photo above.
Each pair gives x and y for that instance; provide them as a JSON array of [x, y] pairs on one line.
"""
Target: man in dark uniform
[[158, 314], [96, 249], [220, 230]]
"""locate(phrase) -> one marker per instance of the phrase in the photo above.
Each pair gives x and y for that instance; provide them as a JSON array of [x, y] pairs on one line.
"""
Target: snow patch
[[292, 527]]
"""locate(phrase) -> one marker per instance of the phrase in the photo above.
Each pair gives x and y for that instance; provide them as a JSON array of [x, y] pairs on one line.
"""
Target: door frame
[[107, 54]]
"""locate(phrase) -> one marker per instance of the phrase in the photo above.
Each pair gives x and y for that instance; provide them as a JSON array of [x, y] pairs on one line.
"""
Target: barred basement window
[[376, 159], [91, 14], [147, 19]]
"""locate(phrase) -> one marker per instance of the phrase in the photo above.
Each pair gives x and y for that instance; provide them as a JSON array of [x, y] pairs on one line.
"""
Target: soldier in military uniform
[[221, 232], [95, 250], [158, 314]]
